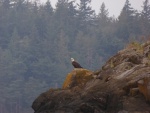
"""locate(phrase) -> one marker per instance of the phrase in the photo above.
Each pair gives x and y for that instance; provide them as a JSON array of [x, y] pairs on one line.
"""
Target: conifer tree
[[48, 7], [86, 14], [127, 12], [65, 16], [146, 10], [126, 18], [145, 18], [103, 15], [103, 11]]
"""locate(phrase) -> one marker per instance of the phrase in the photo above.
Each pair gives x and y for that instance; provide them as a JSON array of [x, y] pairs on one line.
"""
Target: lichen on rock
[[78, 77]]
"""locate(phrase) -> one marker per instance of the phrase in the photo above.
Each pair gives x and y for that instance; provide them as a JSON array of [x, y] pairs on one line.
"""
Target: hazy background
[[37, 42], [114, 6]]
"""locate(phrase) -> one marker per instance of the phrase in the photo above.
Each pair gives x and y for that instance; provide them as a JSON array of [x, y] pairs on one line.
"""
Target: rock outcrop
[[122, 85]]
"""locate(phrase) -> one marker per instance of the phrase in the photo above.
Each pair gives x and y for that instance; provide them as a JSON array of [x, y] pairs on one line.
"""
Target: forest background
[[37, 42]]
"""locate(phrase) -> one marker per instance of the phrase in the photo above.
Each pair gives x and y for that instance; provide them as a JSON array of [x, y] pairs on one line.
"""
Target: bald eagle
[[75, 64]]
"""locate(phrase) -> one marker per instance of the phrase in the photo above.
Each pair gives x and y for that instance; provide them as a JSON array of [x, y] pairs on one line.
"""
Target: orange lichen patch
[[67, 80], [78, 77], [144, 87]]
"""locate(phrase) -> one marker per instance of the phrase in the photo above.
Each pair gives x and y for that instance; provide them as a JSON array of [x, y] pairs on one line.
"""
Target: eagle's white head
[[72, 59]]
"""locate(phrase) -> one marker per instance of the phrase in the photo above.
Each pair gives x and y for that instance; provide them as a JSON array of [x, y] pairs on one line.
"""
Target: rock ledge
[[122, 85]]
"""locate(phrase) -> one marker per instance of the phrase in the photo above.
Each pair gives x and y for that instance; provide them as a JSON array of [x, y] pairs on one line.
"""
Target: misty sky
[[114, 6]]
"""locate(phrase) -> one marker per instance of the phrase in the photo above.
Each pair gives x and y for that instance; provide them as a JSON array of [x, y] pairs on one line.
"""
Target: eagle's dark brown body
[[76, 64]]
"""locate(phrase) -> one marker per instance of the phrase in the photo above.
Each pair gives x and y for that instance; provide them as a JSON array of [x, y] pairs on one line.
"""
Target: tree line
[[37, 42]]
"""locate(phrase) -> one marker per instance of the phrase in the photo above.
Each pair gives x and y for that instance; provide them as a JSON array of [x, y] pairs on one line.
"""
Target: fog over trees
[[37, 42]]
